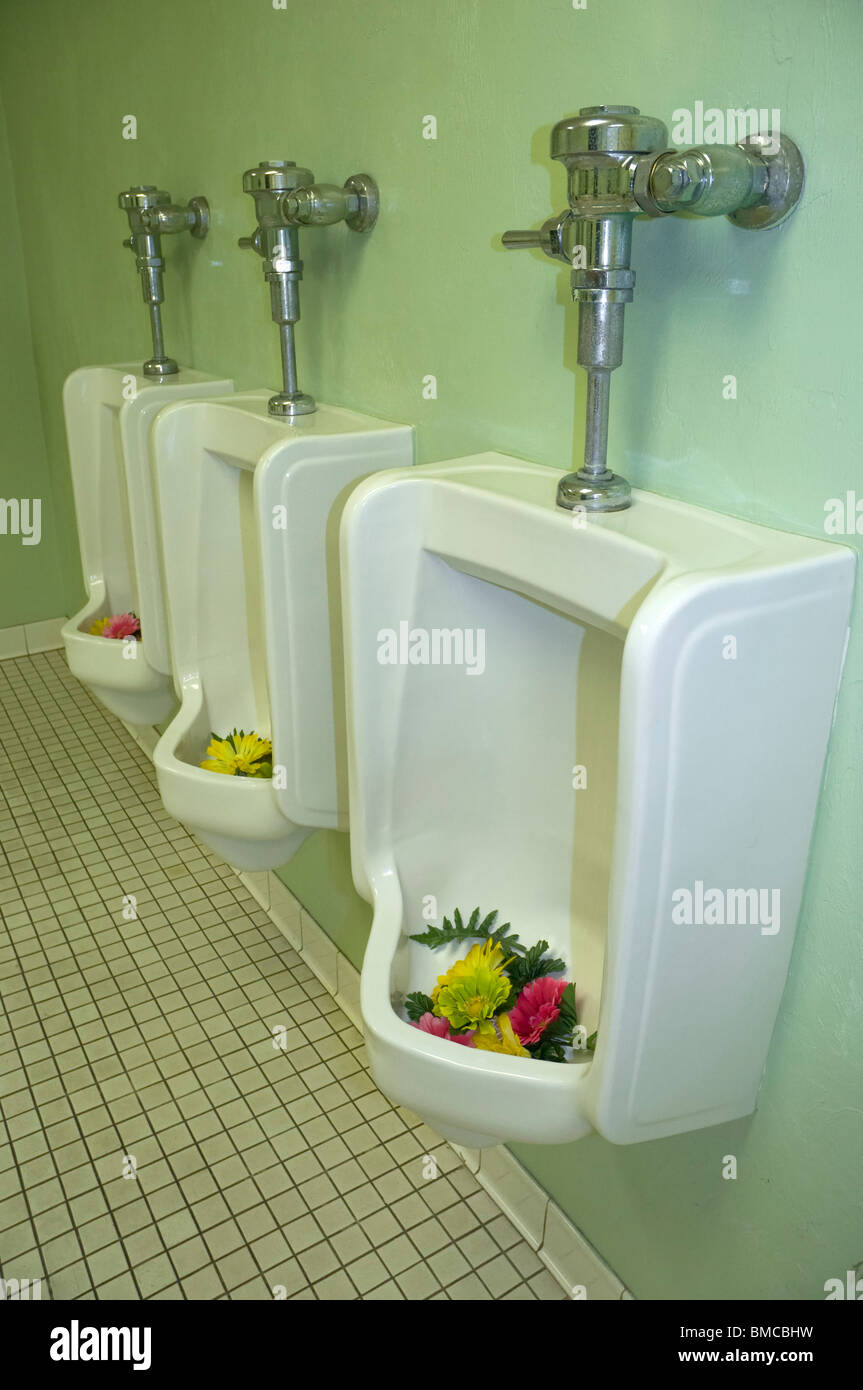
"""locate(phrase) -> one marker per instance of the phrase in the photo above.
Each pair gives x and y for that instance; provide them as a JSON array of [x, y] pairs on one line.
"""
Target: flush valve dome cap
[[276, 176], [607, 130]]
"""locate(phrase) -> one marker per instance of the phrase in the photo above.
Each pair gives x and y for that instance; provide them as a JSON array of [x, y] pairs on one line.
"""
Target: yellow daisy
[[239, 755], [487, 1040], [474, 988]]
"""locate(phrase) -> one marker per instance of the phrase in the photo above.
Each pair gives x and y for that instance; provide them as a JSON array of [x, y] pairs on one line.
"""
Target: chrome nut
[[677, 178]]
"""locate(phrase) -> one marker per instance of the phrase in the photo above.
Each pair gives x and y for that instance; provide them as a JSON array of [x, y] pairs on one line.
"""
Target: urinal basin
[[248, 511], [237, 817], [651, 714], [109, 411]]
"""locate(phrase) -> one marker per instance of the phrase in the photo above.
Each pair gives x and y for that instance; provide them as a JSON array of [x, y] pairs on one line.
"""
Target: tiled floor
[[146, 1043]]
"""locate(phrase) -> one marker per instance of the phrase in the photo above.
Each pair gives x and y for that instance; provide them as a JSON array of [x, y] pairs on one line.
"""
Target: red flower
[[122, 625], [439, 1028], [535, 1008]]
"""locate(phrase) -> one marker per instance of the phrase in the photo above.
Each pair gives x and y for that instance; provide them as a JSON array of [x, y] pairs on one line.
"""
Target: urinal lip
[[218, 802], [213, 800], [99, 661], [396, 1032], [237, 817], [381, 1018], [494, 1097]]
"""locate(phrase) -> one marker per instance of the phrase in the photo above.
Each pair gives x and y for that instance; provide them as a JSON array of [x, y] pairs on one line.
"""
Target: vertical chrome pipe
[[156, 330], [289, 359], [596, 424]]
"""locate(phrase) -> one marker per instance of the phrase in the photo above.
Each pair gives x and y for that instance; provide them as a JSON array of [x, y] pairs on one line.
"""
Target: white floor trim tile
[[515, 1191], [566, 1254], [30, 638], [286, 912], [469, 1157], [348, 995], [258, 884], [13, 642], [320, 953], [144, 735], [44, 636], [574, 1262]]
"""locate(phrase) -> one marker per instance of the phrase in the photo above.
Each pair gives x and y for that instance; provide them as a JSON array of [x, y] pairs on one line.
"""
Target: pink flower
[[535, 1008], [439, 1028], [122, 625]]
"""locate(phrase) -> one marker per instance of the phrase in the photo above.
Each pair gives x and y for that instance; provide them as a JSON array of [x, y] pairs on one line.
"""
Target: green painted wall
[[217, 85], [31, 585]]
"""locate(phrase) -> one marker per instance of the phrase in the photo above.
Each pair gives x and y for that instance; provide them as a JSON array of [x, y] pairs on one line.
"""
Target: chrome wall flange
[[786, 176], [365, 190], [200, 210]]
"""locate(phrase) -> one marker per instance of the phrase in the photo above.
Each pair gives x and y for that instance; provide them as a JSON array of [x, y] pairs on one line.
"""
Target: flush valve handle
[[549, 238], [251, 243]]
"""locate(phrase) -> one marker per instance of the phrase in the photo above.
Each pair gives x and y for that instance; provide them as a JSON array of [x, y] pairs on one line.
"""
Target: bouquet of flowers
[[502, 997], [120, 625], [239, 755]]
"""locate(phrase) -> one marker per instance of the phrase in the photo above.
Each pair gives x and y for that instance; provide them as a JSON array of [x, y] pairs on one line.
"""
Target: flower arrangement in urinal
[[122, 626], [238, 754], [501, 997]]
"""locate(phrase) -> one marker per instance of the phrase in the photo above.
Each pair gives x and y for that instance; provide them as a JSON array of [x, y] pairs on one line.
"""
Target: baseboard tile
[[286, 912], [44, 636], [566, 1254], [145, 735], [13, 642], [515, 1192], [30, 638], [469, 1157], [348, 995], [320, 953], [258, 884], [574, 1262]]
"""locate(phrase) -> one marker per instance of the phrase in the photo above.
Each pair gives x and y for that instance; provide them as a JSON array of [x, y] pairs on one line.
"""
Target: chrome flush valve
[[150, 213], [286, 198], [615, 174]]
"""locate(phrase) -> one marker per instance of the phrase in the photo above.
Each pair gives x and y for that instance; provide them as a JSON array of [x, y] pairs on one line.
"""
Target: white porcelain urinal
[[249, 509], [644, 720], [109, 411]]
